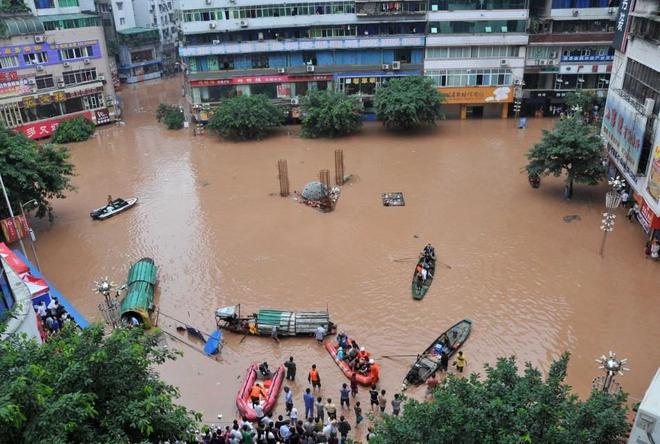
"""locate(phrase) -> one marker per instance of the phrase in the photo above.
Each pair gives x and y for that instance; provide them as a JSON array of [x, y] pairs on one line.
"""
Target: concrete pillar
[[463, 112], [505, 110]]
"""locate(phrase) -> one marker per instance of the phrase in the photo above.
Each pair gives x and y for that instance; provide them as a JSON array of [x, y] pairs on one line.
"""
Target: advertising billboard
[[623, 128]]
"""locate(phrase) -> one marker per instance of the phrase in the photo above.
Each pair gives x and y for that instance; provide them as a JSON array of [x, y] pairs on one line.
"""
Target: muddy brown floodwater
[[533, 284]]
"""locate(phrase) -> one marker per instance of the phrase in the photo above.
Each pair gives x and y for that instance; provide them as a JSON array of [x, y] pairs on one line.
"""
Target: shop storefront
[[477, 101]]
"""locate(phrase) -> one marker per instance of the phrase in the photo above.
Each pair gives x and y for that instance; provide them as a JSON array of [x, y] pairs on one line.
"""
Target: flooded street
[[533, 284]]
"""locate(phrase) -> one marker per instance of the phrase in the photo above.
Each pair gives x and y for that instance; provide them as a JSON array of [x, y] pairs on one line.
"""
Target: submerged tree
[[33, 171], [82, 386], [171, 116], [509, 407], [572, 146], [408, 103], [246, 117], [330, 114], [77, 129]]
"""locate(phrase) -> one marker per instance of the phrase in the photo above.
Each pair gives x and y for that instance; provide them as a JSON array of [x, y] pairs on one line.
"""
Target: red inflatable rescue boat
[[367, 379], [271, 388]]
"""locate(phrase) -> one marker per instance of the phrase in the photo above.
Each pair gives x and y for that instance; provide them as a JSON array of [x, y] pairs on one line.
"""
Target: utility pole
[[11, 212]]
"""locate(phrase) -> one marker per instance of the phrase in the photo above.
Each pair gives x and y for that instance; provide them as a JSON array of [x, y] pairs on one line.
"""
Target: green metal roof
[[133, 31], [58, 17], [13, 26]]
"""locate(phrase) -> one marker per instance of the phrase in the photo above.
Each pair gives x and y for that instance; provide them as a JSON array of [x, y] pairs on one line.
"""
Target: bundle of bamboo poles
[[283, 175]]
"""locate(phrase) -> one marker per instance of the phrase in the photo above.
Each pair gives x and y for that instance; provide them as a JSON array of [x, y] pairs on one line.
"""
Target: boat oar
[[398, 356]]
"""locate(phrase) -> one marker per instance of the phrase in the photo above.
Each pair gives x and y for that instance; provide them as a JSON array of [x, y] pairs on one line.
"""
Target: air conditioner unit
[[553, 55], [310, 68], [66, 64], [31, 82], [553, 62], [209, 2], [503, 62], [101, 78], [39, 68], [260, 36], [396, 65], [244, 24], [610, 11], [212, 25], [39, 39], [517, 82], [576, 13], [295, 101], [281, 70], [216, 42], [543, 62], [385, 67], [87, 61], [649, 104]]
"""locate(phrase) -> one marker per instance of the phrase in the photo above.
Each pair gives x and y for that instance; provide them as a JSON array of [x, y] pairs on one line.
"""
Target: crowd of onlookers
[[53, 316]]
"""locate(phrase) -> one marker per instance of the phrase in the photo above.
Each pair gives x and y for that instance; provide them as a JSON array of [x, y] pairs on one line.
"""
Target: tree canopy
[[246, 117], [330, 114], [33, 171], [77, 129], [171, 116], [573, 147], [585, 101], [408, 103], [508, 407], [83, 387]]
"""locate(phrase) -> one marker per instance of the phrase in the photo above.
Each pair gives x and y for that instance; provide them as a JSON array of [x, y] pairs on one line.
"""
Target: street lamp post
[[110, 310], [32, 237], [612, 367], [612, 201], [11, 212]]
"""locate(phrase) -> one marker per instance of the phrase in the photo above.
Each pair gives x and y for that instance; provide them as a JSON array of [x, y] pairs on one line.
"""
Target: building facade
[[570, 49], [142, 37], [54, 66], [630, 120]]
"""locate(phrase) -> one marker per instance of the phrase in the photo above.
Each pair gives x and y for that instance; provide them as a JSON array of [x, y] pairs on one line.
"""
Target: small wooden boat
[[332, 347], [117, 206], [429, 361], [419, 286], [288, 323], [271, 385]]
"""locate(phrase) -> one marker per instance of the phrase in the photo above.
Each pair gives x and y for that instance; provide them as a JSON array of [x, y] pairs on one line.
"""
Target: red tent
[[14, 262]]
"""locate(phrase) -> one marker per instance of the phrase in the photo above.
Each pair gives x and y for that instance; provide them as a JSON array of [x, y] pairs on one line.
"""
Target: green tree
[[330, 114], [583, 100], [408, 103], [572, 146], [171, 116], [77, 129], [33, 171], [509, 407], [82, 386], [246, 117]]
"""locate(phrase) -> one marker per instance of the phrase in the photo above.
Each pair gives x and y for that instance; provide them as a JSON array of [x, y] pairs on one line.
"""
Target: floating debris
[[393, 200], [571, 217]]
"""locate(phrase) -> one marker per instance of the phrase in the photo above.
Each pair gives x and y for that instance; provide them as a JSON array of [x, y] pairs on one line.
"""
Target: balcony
[[578, 37], [303, 45], [494, 39]]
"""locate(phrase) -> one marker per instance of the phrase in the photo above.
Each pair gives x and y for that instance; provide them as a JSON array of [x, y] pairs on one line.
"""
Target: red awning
[[14, 262]]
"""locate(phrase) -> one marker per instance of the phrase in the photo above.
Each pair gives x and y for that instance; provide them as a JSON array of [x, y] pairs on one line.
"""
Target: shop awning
[[13, 26]]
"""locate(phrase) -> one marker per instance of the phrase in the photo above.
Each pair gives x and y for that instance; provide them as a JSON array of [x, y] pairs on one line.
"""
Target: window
[[120, 6], [44, 82], [67, 3], [35, 58], [44, 4], [471, 77], [142, 56], [76, 53], [80, 76], [122, 21], [259, 61], [8, 62], [642, 82]]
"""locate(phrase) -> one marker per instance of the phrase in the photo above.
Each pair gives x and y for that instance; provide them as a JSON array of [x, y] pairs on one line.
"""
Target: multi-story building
[[570, 49], [285, 49], [630, 121], [53, 66], [143, 36], [475, 54]]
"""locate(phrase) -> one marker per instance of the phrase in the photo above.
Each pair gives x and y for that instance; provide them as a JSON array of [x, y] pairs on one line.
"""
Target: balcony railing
[[572, 37], [303, 45]]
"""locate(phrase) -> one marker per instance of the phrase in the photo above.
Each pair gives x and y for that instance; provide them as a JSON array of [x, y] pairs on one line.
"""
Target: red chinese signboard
[[10, 76], [260, 79], [45, 128], [14, 229]]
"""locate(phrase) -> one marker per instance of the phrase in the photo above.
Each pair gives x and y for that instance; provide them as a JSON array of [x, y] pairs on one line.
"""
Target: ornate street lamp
[[110, 310], [612, 367], [612, 201]]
